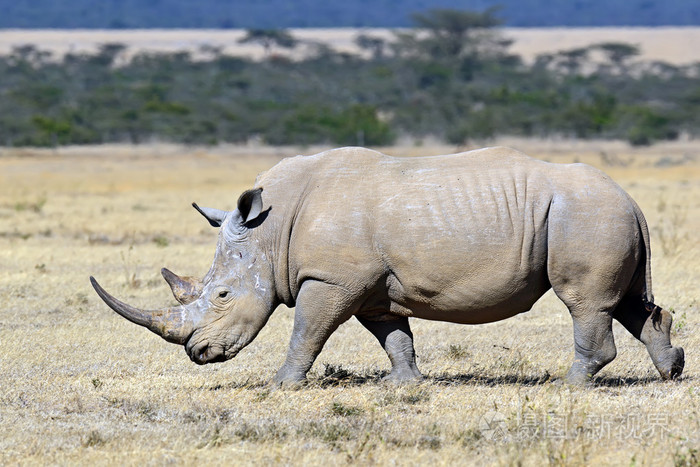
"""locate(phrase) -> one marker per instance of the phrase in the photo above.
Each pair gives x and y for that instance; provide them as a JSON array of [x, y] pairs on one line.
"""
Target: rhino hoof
[[578, 377], [674, 367], [288, 385], [285, 379], [407, 376]]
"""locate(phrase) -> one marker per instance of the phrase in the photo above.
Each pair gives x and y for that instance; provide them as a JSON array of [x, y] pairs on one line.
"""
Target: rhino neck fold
[[280, 230]]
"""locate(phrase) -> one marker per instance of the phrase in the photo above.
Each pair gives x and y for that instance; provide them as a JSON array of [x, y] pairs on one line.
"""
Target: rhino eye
[[222, 294]]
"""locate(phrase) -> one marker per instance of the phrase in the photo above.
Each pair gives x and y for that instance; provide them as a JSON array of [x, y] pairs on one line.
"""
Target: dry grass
[[81, 385], [676, 45]]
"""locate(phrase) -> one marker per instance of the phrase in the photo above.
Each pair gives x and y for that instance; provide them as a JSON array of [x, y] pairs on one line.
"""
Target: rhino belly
[[469, 278], [467, 300]]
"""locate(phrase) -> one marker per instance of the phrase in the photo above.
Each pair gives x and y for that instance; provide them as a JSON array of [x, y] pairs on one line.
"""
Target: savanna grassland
[[81, 385]]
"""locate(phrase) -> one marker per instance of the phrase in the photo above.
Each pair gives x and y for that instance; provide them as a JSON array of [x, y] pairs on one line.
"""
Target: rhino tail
[[648, 294]]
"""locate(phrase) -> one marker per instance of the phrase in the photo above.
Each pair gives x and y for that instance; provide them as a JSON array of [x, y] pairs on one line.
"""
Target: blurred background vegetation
[[451, 77]]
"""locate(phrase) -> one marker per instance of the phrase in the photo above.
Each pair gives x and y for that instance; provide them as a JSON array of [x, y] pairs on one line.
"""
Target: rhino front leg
[[396, 338], [320, 309]]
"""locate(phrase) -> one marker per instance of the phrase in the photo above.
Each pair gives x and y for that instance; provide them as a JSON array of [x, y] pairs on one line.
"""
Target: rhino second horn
[[185, 289], [172, 324]]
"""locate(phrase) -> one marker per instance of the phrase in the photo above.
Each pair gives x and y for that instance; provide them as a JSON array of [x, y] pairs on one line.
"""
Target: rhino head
[[222, 313]]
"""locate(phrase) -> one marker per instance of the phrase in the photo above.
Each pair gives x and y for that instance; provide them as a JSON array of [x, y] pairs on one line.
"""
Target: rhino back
[[459, 238]]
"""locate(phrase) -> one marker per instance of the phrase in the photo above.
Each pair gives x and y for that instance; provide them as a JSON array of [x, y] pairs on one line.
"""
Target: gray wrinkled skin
[[467, 238]]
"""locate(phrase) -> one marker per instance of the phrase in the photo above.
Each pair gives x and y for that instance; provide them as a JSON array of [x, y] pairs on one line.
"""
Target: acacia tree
[[443, 63], [375, 45], [453, 33], [618, 54], [269, 38], [571, 61]]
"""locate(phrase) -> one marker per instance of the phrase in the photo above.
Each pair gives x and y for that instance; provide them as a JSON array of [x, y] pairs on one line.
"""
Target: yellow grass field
[[81, 385]]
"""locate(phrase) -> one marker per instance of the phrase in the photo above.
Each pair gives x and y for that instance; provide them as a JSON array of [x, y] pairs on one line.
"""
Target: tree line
[[452, 77]]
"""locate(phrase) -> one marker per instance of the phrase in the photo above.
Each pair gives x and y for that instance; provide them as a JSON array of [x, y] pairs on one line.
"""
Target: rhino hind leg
[[591, 305], [594, 344], [396, 339], [652, 326]]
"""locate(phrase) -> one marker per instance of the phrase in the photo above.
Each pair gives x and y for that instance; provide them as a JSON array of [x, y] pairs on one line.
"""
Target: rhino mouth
[[202, 353]]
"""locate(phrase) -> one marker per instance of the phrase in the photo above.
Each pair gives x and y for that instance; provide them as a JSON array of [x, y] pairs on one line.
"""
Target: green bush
[[360, 125], [646, 125], [448, 82]]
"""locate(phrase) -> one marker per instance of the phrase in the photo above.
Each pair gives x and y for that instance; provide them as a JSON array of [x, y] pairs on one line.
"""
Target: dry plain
[[674, 45], [81, 385]]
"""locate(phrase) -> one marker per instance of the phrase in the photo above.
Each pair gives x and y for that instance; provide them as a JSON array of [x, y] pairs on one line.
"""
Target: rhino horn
[[185, 289], [214, 216], [172, 324]]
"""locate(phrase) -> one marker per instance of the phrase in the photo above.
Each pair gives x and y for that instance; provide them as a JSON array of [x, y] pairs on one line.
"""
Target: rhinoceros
[[466, 238]]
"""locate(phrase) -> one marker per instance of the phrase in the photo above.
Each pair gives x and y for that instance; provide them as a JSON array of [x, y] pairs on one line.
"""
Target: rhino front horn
[[172, 324], [185, 289]]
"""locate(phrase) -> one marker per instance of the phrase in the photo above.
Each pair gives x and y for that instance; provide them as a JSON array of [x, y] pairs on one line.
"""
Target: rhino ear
[[214, 216], [250, 204]]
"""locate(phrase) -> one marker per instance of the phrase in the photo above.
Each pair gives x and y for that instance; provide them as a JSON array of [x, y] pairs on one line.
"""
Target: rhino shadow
[[623, 381], [473, 379], [340, 377], [337, 376]]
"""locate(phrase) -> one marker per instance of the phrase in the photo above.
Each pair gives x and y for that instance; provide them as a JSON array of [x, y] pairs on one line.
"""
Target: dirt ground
[[81, 385]]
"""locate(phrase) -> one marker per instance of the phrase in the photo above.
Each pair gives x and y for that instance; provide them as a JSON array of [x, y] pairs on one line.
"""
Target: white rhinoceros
[[466, 238]]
